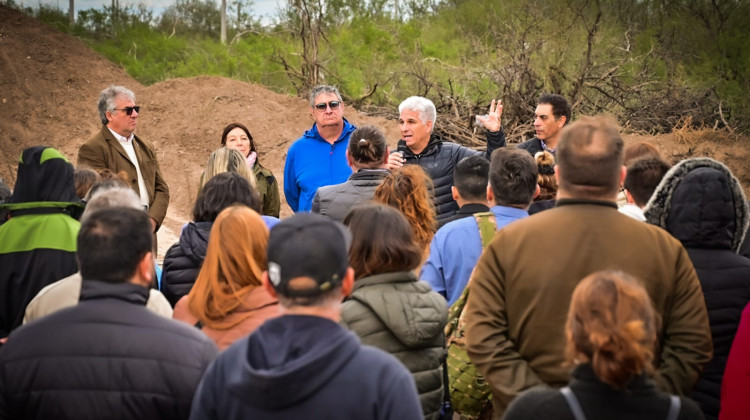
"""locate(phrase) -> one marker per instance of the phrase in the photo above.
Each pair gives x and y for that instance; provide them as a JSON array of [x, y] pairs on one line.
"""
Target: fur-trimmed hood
[[700, 203]]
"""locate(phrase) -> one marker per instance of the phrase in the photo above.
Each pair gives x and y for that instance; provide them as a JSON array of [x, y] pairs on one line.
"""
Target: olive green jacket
[[404, 317], [268, 188], [523, 283]]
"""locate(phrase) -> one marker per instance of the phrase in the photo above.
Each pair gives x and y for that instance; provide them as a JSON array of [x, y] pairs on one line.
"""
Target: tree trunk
[[224, 22], [71, 14]]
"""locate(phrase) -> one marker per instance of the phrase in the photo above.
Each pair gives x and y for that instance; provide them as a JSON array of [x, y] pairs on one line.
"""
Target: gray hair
[[107, 100], [423, 106], [321, 89], [112, 197]]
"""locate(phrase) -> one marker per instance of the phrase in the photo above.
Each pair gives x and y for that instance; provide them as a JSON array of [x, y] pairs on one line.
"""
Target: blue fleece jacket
[[311, 163]]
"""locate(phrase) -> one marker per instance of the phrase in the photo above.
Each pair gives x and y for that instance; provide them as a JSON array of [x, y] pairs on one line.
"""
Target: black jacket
[[305, 367], [700, 203], [467, 210], [183, 261], [640, 400], [38, 243], [533, 146], [439, 159], [107, 357]]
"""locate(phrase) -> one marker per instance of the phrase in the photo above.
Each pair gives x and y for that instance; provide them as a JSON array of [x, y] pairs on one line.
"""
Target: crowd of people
[[567, 277]]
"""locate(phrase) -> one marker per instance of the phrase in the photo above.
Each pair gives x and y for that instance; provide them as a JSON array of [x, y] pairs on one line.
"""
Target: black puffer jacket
[[106, 358], [439, 159], [183, 261], [700, 203]]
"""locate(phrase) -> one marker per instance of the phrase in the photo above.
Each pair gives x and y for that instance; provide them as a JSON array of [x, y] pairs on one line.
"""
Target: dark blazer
[[104, 151]]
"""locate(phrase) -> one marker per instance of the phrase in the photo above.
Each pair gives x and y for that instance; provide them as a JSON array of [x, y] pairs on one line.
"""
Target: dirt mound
[[49, 85]]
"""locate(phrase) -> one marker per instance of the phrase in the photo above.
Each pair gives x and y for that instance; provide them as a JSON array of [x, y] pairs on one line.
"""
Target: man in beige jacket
[[523, 282]]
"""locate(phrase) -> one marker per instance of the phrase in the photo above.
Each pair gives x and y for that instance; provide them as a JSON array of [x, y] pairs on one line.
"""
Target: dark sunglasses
[[333, 104], [129, 109]]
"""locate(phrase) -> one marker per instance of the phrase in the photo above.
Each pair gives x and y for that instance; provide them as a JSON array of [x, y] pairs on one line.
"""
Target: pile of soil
[[50, 83]]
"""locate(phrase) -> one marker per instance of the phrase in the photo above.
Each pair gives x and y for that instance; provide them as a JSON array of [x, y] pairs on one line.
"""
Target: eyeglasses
[[129, 109], [334, 105]]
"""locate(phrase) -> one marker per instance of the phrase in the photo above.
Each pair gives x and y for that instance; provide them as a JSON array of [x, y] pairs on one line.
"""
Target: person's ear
[[268, 286], [454, 193], [144, 272], [557, 175], [623, 174], [349, 160], [490, 194], [537, 191], [387, 155], [561, 121], [430, 125], [347, 285], [629, 197]]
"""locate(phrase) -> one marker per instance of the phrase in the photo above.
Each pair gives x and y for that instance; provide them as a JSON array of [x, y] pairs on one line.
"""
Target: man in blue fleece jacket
[[318, 158]]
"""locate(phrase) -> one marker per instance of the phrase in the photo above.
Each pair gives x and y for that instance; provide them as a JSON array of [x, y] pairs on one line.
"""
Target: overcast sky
[[261, 8]]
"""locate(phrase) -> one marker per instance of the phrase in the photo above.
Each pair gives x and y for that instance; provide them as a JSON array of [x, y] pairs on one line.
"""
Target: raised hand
[[491, 121]]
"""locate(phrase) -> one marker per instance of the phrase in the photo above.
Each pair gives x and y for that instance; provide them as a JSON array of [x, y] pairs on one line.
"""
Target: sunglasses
[[334, 105], [129, 109]]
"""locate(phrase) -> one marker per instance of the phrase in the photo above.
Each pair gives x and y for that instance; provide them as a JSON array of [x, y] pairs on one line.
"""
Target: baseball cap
[[308, 245]]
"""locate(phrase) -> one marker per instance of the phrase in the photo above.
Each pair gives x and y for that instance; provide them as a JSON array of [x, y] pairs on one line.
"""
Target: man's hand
[[395, 160], [491, 121], [153, 225]]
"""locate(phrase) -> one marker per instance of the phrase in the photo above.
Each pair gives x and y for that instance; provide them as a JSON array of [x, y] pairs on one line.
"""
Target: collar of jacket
[[364, 174], [577, 201], [127, 292], [345, 132], [584, 373], [471, 208], [433, 146], [397, 277]]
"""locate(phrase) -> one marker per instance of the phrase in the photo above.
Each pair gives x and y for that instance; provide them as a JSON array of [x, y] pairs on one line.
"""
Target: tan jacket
[[66, 292], [523, 283], [258, 306], [104, 151]]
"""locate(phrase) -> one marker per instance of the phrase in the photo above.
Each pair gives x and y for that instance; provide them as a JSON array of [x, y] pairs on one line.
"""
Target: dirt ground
[[49, 86]]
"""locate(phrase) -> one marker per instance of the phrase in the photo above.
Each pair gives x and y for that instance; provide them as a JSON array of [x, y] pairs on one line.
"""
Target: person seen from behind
[[303, 364], [389, 308], [611, 342], [408, 189], [367, 155], [702, 204], [184, 258], [227, 301]]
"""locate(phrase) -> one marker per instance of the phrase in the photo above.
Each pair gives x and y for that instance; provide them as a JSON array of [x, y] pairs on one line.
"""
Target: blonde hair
[[235, 260], [612, 324], [227, 160], [408, 189]]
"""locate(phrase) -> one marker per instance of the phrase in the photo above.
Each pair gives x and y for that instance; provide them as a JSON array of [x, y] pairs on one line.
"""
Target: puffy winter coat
[[183, 261], [107, 357], [700, 203], [335, 201], [439, 159], [404, 317]]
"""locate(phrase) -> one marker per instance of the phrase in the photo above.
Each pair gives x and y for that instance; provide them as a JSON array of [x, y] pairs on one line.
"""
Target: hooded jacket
[[439, 159], [298, 366], [107, 357], [404, 317], [311, 163], [183, 261], [38, 243], [701, 204]]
